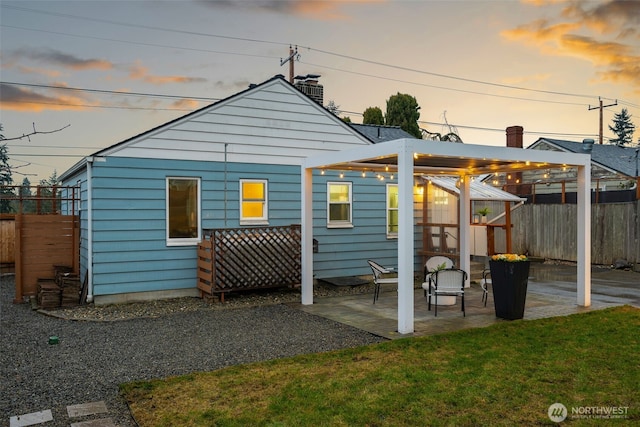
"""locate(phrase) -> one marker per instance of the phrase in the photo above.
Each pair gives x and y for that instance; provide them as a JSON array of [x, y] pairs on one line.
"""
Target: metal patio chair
[[449, 282], [379, 279]]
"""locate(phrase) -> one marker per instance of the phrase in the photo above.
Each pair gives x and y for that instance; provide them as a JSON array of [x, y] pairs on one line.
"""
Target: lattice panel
[[250, 258]]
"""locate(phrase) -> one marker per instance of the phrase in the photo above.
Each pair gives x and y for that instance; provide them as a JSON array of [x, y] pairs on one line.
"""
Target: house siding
[[258, 134], [129, 244]]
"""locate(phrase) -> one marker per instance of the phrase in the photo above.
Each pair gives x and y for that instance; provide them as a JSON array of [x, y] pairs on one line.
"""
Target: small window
[[392, 210], [253, 202], [183, 211], [339, 204]]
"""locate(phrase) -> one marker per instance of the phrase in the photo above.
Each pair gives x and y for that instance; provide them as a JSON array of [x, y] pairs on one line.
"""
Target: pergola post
[[584, 235], [465, 227], [307, 236], [405, 240]]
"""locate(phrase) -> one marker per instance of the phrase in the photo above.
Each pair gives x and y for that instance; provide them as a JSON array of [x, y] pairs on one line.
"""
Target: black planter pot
[[509, 284]]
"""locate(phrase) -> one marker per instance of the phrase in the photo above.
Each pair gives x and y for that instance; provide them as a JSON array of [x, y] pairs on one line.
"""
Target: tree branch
[[35, 132]]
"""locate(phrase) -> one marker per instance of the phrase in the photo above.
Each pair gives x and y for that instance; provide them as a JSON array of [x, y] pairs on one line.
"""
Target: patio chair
[[484, 285], [448, 282], [432, 265], [379, 279]]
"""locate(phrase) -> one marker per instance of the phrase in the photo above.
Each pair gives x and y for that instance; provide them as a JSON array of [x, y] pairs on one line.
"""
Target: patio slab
[[551, 292]]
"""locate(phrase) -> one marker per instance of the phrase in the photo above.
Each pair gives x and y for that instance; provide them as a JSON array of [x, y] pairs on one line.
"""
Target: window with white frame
[[392, 210], [254, 207], [339, 204], [183, 211]]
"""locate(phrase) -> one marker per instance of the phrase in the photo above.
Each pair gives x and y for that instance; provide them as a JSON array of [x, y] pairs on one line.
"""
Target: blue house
[[146, 201]]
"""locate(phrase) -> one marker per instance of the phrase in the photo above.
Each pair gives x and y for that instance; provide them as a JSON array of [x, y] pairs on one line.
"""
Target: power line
[[350, 57], [441, 87], [141, 43], [110, 92], [414, 70], [148, 27], [309, 48]]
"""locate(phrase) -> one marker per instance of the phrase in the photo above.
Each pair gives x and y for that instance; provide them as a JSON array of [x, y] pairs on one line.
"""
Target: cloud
[[314, 9], [19, 99], [65, 60], [140, 72], [607, 17], [186, 104], [582, 33]]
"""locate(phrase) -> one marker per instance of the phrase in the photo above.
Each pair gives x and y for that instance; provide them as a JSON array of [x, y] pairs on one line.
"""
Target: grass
[[506, 374]]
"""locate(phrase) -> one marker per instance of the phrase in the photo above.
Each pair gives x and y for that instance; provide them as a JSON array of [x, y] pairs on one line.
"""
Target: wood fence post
[[18, 259]]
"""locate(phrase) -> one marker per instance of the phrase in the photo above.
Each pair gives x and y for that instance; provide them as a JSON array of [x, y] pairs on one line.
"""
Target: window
[[392, 210], [253, 201], [183, 211], [339, 204]]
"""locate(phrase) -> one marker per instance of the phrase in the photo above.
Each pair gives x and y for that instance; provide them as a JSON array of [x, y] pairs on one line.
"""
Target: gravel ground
[[101, 347]]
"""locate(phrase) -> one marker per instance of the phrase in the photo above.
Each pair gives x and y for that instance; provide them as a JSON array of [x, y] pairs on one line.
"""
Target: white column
[[465, 227], [307, 236], [584, 236], [405, 240]]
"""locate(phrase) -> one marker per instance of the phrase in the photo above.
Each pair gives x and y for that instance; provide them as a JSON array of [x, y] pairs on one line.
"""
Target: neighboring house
[[146, 201], [607, 160], [613, 169]]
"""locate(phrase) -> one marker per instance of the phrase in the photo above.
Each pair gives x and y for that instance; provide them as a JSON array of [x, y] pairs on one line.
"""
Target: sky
[[80, 76]]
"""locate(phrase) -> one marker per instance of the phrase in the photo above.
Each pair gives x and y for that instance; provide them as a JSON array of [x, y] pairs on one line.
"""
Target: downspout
[[225, 184], [89, 230]]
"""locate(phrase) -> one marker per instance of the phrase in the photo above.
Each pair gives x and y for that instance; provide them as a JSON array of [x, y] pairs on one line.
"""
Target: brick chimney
[[514, 184], [309, 86], [514, 136]]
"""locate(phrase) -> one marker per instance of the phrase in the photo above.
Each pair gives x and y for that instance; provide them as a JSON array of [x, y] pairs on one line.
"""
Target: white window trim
[[255, 221], [191, 241], [340, 224], [390, 235]]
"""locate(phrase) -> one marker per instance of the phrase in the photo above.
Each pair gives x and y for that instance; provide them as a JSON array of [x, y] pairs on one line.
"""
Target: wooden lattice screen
[[231, 259]]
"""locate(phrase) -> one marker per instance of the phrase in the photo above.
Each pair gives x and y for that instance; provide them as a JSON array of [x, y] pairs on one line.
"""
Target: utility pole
[[292, 56], [600, 108]]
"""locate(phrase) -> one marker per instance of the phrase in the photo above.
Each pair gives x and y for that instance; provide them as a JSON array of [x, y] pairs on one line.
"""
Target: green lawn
[[506, 374]]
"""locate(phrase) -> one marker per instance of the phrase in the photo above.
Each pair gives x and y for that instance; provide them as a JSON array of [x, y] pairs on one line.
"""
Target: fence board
[[7, 239]]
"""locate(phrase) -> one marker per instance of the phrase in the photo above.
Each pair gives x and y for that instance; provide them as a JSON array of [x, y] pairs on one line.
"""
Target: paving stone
[[102, 422], [31, 419], [83, 409]]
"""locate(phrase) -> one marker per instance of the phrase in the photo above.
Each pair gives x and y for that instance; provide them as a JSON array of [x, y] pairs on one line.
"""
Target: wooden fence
[[549, 231], [41, 243], [232, 259]]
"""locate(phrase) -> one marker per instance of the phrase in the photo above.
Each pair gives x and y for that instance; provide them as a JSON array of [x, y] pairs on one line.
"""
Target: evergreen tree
[[333, 108], [372, 116], [403, 111], [623, 128], [47, 194], [28, 205], [5, 177]]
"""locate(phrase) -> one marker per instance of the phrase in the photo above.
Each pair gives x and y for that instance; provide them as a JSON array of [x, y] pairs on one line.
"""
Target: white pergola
[[409, 157]]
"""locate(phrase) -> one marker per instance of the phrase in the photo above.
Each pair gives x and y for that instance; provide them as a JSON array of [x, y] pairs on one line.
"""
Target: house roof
[[478, 190], [617, 159], [257, 99], [378, 133]]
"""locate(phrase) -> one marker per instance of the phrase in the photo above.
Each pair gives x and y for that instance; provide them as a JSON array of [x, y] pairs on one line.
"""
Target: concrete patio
[[551, 292]]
